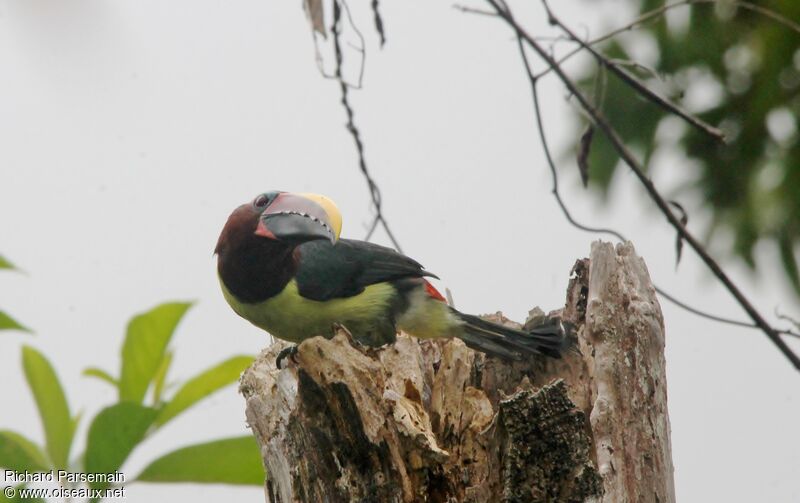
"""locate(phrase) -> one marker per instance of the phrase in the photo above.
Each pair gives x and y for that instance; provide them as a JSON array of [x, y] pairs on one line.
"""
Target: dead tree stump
[[435, 421]]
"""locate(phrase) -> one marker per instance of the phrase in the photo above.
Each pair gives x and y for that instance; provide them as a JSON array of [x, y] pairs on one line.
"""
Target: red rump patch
[[433, 292]]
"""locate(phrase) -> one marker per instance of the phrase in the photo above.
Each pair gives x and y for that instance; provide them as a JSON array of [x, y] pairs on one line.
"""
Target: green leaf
[[100, 374], [203, 385], [161, 376], [52, 404], [9, 323], [145, 342], [228, 461], [6, 264], [20, 454], [113, 434]]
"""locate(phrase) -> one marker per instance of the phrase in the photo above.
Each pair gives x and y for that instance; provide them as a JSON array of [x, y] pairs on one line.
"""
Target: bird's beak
[[297, 218]]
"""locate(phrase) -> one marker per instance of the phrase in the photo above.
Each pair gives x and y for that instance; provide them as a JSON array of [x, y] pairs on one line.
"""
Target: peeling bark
[[436, 421]]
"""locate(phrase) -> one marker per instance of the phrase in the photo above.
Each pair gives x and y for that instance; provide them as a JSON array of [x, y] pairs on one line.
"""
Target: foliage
[[59, 427], [119, 428], [747, 66], [6, 321], [9, 323], [235, 460]]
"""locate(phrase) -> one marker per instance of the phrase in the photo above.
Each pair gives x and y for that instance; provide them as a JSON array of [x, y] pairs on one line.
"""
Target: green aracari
[[283, 268]]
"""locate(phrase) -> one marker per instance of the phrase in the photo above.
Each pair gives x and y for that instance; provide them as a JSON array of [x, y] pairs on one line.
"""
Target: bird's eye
[[261, 201]]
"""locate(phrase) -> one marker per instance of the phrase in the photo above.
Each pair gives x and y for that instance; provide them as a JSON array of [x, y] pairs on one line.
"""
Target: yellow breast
[[291, 317]]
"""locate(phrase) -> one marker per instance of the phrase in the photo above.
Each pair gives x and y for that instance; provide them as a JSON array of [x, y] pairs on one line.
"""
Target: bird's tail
[[551, 338]]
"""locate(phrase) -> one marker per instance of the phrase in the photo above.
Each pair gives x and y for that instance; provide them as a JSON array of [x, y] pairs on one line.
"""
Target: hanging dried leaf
[[378, 22], [583, 153], [786, 247], [679, 241], [316, 15]]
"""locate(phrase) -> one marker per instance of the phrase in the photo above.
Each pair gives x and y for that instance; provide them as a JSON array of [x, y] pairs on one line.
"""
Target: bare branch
[[660, 11], [633, 164], [374, 191], [636, 85], [549, 157], [554, 176]]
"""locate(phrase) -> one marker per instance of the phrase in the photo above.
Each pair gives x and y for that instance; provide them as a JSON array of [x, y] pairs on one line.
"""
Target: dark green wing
[[327, 271]]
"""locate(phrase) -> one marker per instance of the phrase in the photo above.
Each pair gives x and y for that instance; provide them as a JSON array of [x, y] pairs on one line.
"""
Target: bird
[[283, 267]]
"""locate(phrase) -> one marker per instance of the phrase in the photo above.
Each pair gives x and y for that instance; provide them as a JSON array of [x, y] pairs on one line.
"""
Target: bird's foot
[[290, 352], [339, 328]]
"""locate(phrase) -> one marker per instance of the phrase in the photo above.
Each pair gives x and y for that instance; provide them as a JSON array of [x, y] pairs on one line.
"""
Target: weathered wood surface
[[436, 421]]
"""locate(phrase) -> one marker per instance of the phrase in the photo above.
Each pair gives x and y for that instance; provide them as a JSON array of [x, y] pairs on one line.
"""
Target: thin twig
[[660, 11], [362, 47], [638, 170], [378, 22], [636, 85], [472, 10], [533, 78], [374, 191], [554, 177], [371, 229], [549, 157], [318, 58], [716, 318], [790, 333], [788, 318]]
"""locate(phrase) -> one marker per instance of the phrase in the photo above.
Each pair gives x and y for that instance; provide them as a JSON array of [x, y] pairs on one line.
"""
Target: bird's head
[[284, 217]]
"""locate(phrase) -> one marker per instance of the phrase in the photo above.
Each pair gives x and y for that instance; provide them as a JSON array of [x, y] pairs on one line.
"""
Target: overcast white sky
[[130, 130]]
